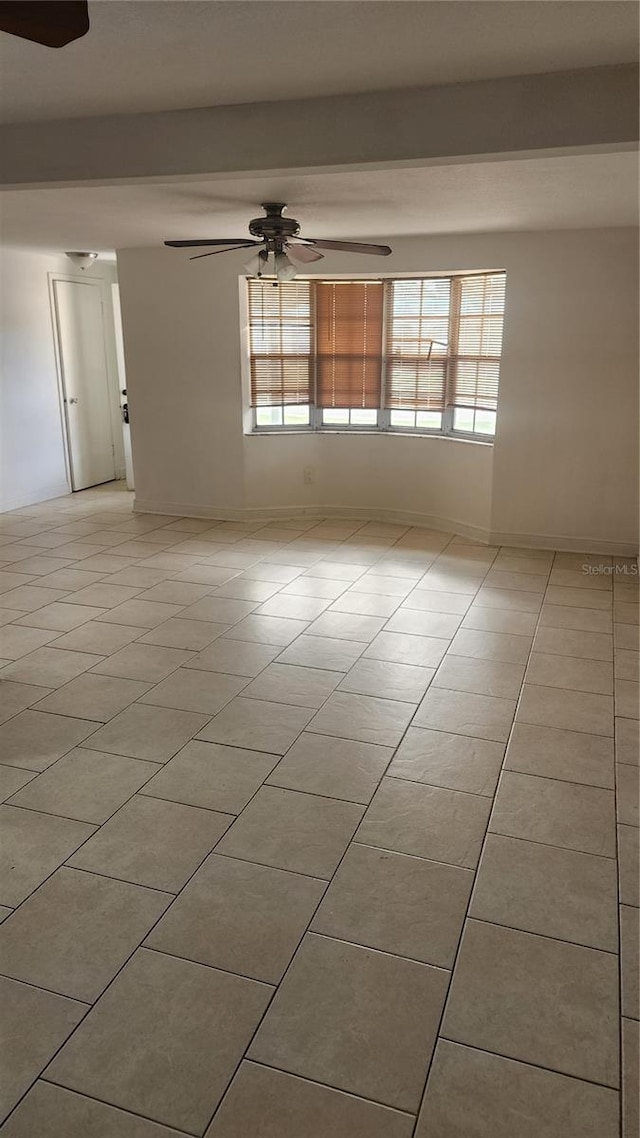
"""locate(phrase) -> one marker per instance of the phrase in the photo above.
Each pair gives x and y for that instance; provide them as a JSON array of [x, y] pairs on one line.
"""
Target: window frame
[[383, 413]]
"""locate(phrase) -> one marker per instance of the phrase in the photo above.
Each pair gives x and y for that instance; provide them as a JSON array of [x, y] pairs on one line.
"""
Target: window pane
[[268, 416], [429, 420], [485, 423], [463, 419], [364, 418], [296, 416], [403, 418], [337, 416]]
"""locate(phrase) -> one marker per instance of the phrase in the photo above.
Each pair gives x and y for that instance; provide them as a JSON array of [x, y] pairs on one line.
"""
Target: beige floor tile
[[484, 677], [103, 595], [16, 641], [61, 616], [323, 652], [430, 600], [491, 646], [299, 608], [364, 718], [628, 794], [570, 642], [69, 580], [550, 670], [93, 697], [102, 639], [625, 613], [143, 662], [15, 697], [274, 1104], [176, 593], [570, 756], [257, 725], [346, 626], [154, 843], [276, 630], [35, 1024], [482, 619], [568, 710], [511, 600], [211, 776], [234, 657], [85, 785], [324, 588], [49, 667], [12, 779], [51, 1112], [514, 563], [336, 571], [504, 579], [33, 845], [373, 582], [404, 648], [627, 699], [398, 904], [630, 960], [629, 864], [417, 623], [427, 821], [237, 589], [626, 664], [10, 580], [195, 1023], [190, 690], [288, 830], [405, 682], [190, 635], [366, 604], [240, 917], [465, 713], [146, 732], [76, 931], [457, 762], [538, 1000], [334, 768], [336, 1011], [472, 1094], [627, 736], [141, 614], [630, 1069], [555, 892], [555, 813], [29, 599], [624, 636], [286, 683], [219, 610], [576, 619], [579, 597], [578, 578], [34, 740]]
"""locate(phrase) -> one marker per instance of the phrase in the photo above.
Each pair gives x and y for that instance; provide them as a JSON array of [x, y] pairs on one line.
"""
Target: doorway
[[78, 312]]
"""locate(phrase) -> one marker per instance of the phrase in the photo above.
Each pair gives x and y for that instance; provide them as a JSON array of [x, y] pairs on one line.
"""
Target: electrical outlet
[[308, 475]]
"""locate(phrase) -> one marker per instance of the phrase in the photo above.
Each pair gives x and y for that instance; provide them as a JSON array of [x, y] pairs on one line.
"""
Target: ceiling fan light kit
[[44, 22], [279, 237]]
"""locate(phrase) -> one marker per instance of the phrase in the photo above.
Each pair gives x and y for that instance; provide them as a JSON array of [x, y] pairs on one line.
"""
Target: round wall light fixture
[[82, 260]]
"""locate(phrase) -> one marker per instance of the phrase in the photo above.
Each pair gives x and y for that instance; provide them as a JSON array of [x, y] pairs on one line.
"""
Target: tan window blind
[[417, 343], [477, 318], [348, 343], [280, 343]]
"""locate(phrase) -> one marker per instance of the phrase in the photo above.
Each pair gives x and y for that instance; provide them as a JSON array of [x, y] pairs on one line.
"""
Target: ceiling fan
[[53, 23], [279, 237]]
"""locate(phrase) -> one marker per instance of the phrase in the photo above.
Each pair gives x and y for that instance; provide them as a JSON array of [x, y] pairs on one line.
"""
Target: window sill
[[350, 432]]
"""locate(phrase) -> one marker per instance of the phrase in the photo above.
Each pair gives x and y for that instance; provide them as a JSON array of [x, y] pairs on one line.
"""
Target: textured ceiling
[[143, 55], [574, 192]]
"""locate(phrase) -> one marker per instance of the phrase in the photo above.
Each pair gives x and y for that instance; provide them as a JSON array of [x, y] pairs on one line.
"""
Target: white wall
[[563, 470], [32, 457]]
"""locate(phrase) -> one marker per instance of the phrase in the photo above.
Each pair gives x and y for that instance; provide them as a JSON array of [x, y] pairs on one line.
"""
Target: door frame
[[112, 381]]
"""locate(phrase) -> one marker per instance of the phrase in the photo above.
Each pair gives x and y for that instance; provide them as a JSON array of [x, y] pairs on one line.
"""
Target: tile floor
[[313, 827]]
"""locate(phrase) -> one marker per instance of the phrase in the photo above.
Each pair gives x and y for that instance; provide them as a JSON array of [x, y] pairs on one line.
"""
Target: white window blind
[[417, 343], [281, 343], [477, 321]]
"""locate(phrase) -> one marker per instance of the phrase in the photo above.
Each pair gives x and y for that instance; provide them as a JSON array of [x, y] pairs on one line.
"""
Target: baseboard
[[564, 544], [35, 498]]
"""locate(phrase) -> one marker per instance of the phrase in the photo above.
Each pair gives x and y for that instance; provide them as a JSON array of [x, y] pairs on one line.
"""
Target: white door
[[122, 384], [85, 381]]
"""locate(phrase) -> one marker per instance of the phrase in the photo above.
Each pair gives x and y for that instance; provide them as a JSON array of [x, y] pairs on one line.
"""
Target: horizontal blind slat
[[474, 371], [280, 343], [349, 343]]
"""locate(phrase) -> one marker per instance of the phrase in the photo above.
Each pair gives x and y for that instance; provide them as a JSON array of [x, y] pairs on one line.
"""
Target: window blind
[[477, 320], [281, 343], [417, 343], [349, 343]]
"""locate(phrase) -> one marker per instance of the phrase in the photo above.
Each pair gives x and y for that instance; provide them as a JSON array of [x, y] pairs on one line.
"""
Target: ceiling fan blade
[[303, 253], [221, 241], [349, 246], [229, 249], [50, 24]]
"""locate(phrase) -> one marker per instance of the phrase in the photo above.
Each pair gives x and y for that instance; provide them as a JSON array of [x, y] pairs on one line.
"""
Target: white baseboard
[[560, 542]]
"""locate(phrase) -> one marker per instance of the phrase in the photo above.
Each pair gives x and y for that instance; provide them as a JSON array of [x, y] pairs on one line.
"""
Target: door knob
[[72, 400]]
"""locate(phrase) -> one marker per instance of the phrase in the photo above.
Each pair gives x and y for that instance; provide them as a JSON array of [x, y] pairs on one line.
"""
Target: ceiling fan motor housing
[[274, 227]]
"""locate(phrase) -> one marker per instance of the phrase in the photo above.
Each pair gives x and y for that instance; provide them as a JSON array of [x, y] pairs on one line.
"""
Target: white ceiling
[[144, 55], [574, 192]]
